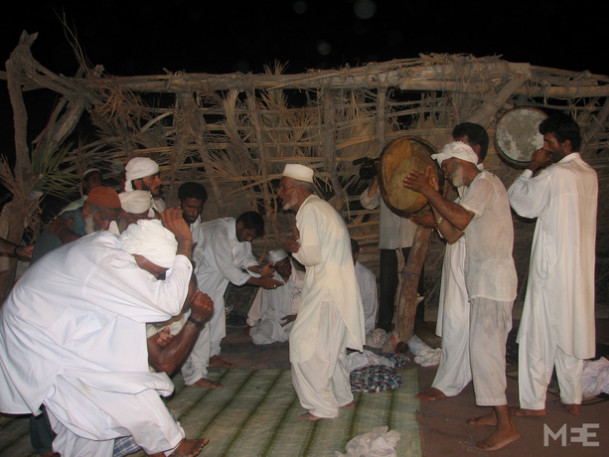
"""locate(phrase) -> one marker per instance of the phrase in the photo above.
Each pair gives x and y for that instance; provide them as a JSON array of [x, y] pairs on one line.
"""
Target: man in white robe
[[223, 254], [557, 324], [330, 318], [142, 173], [72, 339], [454, 371], [274, 310], [367, 289], [483, 216]]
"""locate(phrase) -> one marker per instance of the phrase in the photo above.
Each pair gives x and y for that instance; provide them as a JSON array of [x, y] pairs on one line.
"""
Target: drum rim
[[384, 194]]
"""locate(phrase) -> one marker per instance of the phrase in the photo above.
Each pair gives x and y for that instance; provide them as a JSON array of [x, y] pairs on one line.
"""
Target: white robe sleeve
[[529, 196]]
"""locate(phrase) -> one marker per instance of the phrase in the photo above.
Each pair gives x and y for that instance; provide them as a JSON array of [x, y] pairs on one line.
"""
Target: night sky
[[222, 36]]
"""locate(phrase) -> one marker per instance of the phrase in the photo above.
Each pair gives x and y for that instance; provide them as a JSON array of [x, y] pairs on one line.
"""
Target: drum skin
[[398, 158], [517, 135]]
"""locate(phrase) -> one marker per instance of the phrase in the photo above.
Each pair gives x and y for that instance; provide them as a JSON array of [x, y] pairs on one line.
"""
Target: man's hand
[[163, 337], [58, 224], [287, 319], [267, 270], [422, 183], [424, 219], [201, 305], [173, 221], [24, 252], [268, 283], [539, 159]]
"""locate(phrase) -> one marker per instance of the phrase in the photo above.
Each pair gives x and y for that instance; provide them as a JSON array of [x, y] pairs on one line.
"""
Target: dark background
[[146, 38], [140, 38]]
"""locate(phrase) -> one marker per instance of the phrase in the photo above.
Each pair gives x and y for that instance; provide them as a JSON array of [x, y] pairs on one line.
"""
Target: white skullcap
[[139, 167], [277, 255], [299, 172], [150, 239], [458, 150], [136, 202]]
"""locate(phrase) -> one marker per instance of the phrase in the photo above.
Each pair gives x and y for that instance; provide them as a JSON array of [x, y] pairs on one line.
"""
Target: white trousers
[[81, 434], [538, 355], [196, 365], [322, 381], [454, 371], [490, 323]]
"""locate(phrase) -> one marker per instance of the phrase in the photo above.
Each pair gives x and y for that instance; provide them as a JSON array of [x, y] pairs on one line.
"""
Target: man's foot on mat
[[309, 417], [489, 419], [207, 384], [523, 412], [431, 394], [350, 405], [572, 408], [498, 440], [216, 361]]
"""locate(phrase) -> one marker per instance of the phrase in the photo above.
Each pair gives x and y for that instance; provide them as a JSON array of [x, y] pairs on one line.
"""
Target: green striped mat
[[256, 414]]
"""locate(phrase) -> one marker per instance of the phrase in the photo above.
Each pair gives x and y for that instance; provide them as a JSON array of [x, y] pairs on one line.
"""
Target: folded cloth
[[377, 443], [375, 378]]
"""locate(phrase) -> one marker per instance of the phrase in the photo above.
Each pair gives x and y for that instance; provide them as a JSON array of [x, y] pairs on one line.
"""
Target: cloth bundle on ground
[[377, 443]]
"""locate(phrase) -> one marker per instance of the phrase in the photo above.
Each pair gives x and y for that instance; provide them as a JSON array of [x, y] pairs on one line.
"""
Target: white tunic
[[221, 258], [270, 306], [394, 231], [73, 337], [563, 198], [325, 251], [367, 289]]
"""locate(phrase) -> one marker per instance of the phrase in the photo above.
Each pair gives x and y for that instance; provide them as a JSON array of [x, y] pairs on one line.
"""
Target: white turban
[[139, 167], [299, 172], [136, 202], [277, 255], [150, 239], [458, 150]]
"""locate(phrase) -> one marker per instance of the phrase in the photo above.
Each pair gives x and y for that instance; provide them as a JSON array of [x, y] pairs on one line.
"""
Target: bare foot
[[498, 439], [431, 394], [309, 417], [572, 408], [207, 383], [349, 406], [522, 412], [489, 419], [186, 448], [50, 454], [216, 361]]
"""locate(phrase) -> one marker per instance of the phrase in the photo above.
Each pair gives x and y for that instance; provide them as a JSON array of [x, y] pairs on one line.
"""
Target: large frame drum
[[398, 158], [517, 135]]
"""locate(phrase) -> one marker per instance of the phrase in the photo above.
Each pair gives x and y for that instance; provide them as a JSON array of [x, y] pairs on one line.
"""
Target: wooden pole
[[407, 299]]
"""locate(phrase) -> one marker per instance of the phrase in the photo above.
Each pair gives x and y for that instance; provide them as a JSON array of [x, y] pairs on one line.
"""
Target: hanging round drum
[[517, 135], [398, 158]]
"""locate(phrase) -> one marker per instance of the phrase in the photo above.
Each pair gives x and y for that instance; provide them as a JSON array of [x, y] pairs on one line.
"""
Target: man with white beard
[[101, 208]]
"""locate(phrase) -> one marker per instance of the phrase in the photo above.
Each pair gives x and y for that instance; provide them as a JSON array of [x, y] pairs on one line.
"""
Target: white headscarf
[[150, 239], [139, 167], [136, 202], [458, 150], [299, 172]]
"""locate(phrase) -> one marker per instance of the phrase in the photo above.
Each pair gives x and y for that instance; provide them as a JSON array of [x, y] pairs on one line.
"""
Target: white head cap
[[139, 167], [299, 172], [458, 150], [277, 255], [150, 239], [136, 202]]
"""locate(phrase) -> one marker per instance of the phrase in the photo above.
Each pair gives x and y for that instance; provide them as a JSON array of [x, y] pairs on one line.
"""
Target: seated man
[[367, 288], [273, 310], [82, 309]]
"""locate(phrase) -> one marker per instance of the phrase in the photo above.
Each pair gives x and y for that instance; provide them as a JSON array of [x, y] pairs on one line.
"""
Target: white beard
[[89, 224]]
